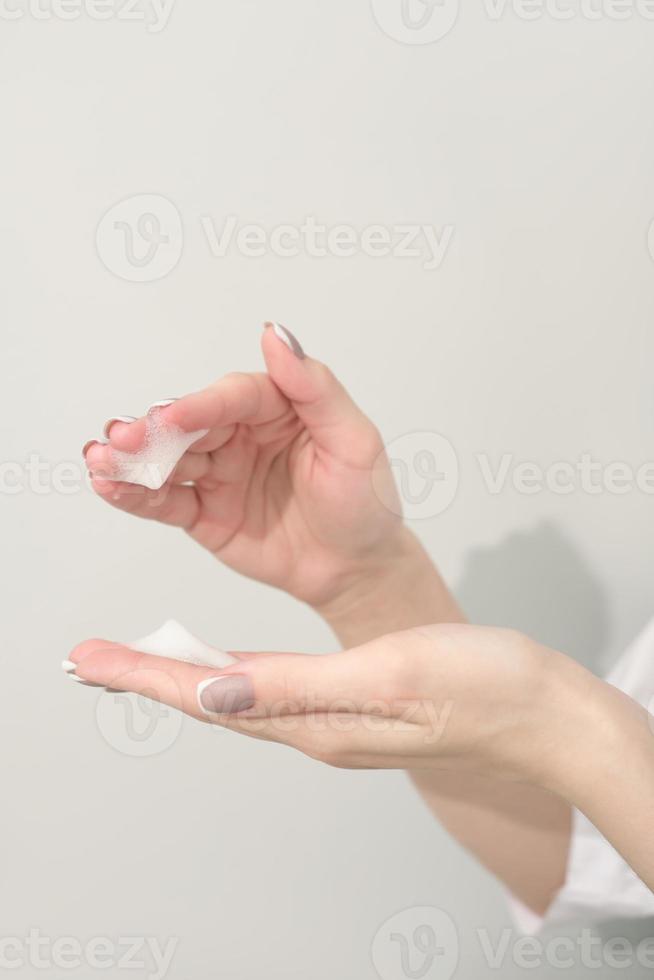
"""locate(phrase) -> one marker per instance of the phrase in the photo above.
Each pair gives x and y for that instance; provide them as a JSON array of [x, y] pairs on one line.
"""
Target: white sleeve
[[600, 884]]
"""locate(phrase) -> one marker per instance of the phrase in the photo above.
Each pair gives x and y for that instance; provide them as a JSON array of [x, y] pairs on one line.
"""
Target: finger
[[319, 705], [267, 680], [236, 398], [264, 686], [171, 682], [173, 504], [335, 422], [230, 464]]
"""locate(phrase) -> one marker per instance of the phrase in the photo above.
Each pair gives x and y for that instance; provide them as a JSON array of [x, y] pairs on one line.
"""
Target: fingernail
[[225, 695], [68, 666], [288, 338], [80, 680], [128, 419], [163, 404], [92, 442]]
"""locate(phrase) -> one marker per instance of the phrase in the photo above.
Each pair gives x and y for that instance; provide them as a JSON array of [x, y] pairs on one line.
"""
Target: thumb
[[311, 703], [277, 685], [334, 421], [256, 686]]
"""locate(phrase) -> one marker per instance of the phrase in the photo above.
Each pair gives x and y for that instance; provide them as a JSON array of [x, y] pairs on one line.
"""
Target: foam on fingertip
[[174, 642], [164, 446]]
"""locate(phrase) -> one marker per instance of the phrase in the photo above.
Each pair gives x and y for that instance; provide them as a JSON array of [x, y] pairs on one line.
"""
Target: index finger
[[238, 397]]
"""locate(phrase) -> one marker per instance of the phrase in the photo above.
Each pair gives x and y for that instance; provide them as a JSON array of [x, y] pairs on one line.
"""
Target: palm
[[279, 488], [276, 508]]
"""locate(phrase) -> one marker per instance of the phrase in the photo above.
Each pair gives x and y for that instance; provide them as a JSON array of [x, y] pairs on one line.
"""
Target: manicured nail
[[288, 338], [128, 419], [68, 666], [80, 680], [93, 442], [163, 404], [225, 695]]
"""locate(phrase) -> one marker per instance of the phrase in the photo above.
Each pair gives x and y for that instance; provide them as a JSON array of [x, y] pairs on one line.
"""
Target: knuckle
[[334, 759], [397, 668], [321, 750], [369, 441]]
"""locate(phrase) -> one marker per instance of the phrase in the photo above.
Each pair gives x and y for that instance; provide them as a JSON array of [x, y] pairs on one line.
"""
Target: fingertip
[[127, 437], [104, 487], [87, 647], [97, 456], [292, 372], [91, 447]]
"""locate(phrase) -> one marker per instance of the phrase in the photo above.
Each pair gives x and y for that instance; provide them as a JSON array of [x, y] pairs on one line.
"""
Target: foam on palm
[[164, 446], [174, 642]]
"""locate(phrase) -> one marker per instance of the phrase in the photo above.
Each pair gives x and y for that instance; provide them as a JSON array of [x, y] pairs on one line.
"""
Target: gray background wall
[[534, 140]]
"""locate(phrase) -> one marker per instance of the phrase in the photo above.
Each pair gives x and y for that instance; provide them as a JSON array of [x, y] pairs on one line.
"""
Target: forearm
[[603, 762], [521, 833], [406, 591]]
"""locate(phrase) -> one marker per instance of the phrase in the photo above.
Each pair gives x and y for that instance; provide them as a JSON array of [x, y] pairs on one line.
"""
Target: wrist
[[588, 727], [603, 764], [395, 589]]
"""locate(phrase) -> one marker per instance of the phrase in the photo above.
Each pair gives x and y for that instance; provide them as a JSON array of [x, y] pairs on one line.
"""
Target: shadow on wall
[[538, 582]]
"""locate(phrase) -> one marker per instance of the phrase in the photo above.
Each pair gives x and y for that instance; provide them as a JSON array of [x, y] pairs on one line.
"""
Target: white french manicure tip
[[202, 687], [288, 338], [68, 666], [163, 404], [281, 333], [93, 442], [80, 680], [128, 419]]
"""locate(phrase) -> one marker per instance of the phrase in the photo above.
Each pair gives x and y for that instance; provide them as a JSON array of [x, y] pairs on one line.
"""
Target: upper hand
[[280, 488]]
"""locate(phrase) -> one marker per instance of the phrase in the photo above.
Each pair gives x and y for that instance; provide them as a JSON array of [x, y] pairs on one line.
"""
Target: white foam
[[164, 446], [175, 642]]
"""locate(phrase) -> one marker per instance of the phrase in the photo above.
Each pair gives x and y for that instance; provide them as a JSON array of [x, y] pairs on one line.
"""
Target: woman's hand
[[436, 697], [280, 488], [481, 701]]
